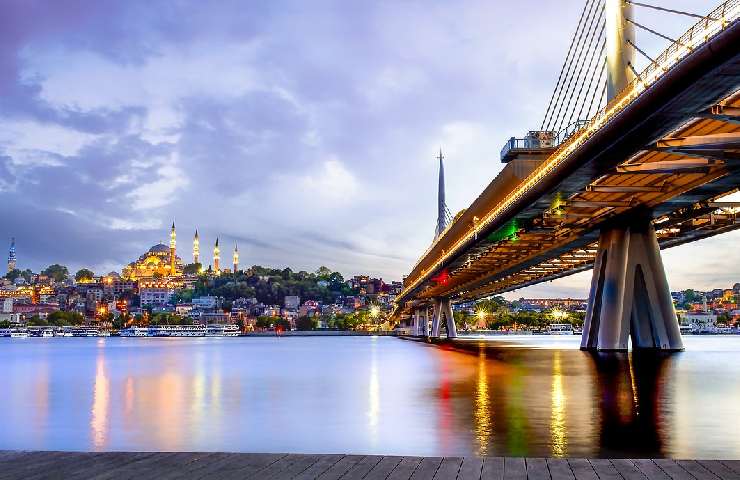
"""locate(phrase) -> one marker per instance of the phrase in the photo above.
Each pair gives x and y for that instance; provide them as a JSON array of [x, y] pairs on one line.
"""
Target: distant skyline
[[305, 132]]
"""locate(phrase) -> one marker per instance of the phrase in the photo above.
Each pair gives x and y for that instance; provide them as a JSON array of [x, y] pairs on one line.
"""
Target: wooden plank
[[672, 469], [696, 470], [449, 468], [627, 469], [427, 468], [362, 468], [383, 468], [650, 469], [244, 465], [719, 469], [559, 469], [733, 465], [405, 468], [471, 469], [582, 469], [514, 469], [604, 469], [287, 467], [341, 467], [493, 468], [537, 469], [324, 463]]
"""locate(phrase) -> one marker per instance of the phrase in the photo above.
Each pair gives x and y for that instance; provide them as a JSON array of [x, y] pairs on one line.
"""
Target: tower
[[216, 257], [196, 248], [619, 53], [236, 257], [11, 255], [173, 248], [443, 214]]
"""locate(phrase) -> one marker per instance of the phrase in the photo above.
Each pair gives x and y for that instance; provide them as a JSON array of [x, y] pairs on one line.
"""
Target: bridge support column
[[629, 293], [443, 307], [421, 322]]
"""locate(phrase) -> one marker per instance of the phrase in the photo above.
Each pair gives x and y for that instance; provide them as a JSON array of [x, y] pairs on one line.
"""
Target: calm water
[[535, 396]]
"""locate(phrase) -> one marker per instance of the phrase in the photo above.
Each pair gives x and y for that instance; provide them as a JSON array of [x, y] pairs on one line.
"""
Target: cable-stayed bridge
[[625, 163]]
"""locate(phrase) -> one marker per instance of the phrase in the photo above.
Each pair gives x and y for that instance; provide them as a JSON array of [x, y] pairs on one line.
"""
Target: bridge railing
[[718, 20]]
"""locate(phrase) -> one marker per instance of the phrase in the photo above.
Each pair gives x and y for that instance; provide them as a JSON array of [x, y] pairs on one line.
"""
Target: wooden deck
[[115, 465]]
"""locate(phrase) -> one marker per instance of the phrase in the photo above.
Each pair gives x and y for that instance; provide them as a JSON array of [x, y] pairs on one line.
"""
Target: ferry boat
[[135, 332], [560, 329], [219, 330], [177, 331], [14, 332], [85, 332]]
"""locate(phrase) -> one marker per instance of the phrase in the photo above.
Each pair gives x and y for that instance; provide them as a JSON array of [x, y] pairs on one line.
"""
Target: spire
[[196, 248], [173, 249], [443, 214], [216, 257], [236, 257], [11, 255]]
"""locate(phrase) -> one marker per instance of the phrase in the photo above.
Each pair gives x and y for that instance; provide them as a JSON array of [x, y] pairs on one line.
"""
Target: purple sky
[[304, 131]]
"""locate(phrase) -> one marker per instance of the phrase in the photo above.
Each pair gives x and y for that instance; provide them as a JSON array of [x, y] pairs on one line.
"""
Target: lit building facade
[[216, 258], [159, 261], [236, 258], [196, 248]]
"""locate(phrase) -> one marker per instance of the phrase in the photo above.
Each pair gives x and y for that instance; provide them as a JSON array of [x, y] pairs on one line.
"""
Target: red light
[[442, 278]]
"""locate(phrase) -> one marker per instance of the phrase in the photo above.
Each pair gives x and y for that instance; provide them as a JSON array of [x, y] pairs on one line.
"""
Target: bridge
[[605, 190]]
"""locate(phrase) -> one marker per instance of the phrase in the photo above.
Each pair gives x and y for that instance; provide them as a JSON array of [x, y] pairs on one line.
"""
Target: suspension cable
[[652, 60], [588, 28], [590, 82], [589, 19], [598, 54], [569, 95], [679, 12], [657, 33], [603, 92], [565, 62]]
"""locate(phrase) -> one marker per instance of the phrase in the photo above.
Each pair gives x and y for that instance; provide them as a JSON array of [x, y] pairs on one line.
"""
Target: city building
[[292, 302], [156, 293]]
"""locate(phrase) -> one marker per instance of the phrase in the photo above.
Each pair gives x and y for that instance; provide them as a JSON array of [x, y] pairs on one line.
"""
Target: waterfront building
[[11, 255], [196, 247], [207, 302], [156, 293], [158, 262], [292, 302], [216, 258]]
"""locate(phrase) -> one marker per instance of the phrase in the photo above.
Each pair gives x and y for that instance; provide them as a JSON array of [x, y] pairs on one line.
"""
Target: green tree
[[306, 323], [192, 269], [57, 272], [84, 274], [13, 274], [60, 318]]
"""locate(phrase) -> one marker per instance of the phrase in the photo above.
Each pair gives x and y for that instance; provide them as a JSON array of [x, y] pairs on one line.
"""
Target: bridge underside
[[669, 154]]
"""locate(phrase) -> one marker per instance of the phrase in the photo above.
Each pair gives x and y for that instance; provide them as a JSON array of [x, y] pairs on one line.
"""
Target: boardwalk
[[115, 465]]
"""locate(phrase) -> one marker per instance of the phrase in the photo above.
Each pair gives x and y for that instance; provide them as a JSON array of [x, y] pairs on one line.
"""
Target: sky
[[306, 132]]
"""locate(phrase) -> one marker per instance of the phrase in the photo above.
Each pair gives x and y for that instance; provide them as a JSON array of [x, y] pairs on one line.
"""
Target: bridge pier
[[629, 293], [442, 306], [421, 322]]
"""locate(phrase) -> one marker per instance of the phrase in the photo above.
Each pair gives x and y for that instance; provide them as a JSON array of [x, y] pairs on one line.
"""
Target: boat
[[560, 329], [135, 332], [219, 330], [177, 331], [17, 332], [85, 332], [47, 332]]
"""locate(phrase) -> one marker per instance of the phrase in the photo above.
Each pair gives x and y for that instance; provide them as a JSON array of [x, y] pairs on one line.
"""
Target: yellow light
[[558, 314], [374, 311], [481, 314]]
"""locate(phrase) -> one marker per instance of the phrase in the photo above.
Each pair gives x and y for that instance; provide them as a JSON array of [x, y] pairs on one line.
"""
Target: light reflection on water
[[535, 396]]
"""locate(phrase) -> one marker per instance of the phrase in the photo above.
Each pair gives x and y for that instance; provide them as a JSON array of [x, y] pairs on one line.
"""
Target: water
[[534, 396]]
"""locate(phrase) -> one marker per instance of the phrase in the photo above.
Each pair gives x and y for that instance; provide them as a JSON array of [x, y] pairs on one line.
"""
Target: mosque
[[162, 261]]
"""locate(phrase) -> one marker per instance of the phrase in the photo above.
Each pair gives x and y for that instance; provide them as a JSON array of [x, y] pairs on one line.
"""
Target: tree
[[57, 272], [13, 274], [4, 324], [323, 273], [192, 269], [84, 274], [306, 323], [60, 318]]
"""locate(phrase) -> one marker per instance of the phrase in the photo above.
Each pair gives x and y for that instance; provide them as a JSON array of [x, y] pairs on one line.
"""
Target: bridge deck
[[291, 466]]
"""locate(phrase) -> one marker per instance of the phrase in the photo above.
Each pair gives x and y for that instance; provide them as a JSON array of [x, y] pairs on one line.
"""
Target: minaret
[[216, 258], [236, 257], [196, 248], [11, 255], [442, 214], [173, 249]]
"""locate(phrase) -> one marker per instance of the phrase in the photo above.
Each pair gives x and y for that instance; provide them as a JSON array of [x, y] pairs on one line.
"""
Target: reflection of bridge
[[644, 172]]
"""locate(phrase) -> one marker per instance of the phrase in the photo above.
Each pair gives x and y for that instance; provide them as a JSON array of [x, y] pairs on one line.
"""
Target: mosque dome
[[159, 248]]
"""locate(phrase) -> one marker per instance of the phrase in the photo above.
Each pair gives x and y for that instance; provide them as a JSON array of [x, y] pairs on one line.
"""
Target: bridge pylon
[[443, 307], [629, 294], [421, 322]]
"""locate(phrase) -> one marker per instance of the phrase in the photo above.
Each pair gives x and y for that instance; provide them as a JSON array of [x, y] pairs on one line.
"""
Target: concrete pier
[[143, 465]]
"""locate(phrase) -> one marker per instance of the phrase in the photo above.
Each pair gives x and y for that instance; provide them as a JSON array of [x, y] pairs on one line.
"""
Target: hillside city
[[158, 288]]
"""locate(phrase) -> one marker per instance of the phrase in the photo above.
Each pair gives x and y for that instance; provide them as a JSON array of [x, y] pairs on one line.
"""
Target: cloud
[[307, 133]]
